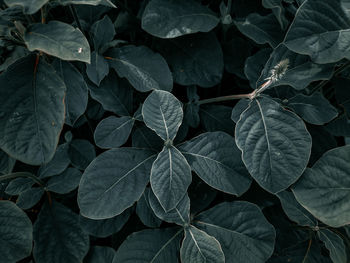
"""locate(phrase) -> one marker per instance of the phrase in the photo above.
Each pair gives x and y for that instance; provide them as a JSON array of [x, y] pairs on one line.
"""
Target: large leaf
[[58, 39], [242, 230], [162, 112], [144, 69], [169, 19], [77, 90], [113, 132], [194, 59], [99, 254], [29, 6], [320, 30], [275, 144], [198, 247], [87, 2], [114, 181], [31, 110], [170, 177], [325, 185], [58, 237], [150, 245], [16, 233], [216, 159], [7, 163], [335, 244]]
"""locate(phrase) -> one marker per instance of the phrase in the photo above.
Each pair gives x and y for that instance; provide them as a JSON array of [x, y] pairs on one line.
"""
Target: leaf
[[99, 254], [58, 39], [301, 70], [170, 177], [242, 230], [29, 7], [278, 10], [87, 2], [162, 112], [144, 137], [150, 245], [7, 163], [98, 69], [58, 236], [105, 227], [341, 93], [295, 211], [262, 29], [334, 244], [192, 114], [215, 158], [58, 163], [216, 118], [114, 94], [16, 233], [194, 59], [170, 19], [145, 212], [113, 132], [64, 182], [179, 215], [29, 198], [314, 109], [120, 175], [143, 68], [326, 185], [321, 31], [77, 91], [239, 108], [19, 185], [275, 144], [102, 32], [81, 153], [340, 126], [31, 110], [198, 246]]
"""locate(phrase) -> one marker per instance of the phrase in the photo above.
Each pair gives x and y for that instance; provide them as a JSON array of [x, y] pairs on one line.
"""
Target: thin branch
[[225, 98]]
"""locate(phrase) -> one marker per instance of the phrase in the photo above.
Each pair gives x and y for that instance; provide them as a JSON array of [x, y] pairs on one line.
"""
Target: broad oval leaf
[[320, 30], [30, 197], [242, 230], [325, 185], [162, 112], [114, 181], [65, 182], [113, 132], [31, 110], [29, 7], [58, 39], [335, 244], [144, 69], [198, 247], [169, 19], [58, 237], [275, 144], [150, 245], [170, 177], [16, 233], [215, 158], [87, 2]]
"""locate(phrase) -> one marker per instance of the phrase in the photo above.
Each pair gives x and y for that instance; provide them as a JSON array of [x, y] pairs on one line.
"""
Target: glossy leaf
[[215, 158], [31, 110], [275, 144], [106, 179], [58, 39], [325, 185], [16, 233], [174, 18]]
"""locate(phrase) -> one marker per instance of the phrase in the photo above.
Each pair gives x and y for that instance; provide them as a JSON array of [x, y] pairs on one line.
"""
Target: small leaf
[[16, 233], [198, 246], [278, 10], [334, 244], [151, 245], [58, 237], [275, 144], [170, 19], [19, 185], [58, 39], [29, 198], [170, 177], [102, 32], [215, 158], [98, 69], [114, 181], [113, 132], [58, 163], [64, 182], [29, 7], [143, 68], [325, 185], [81, 153], [162, 112], [145, 212]]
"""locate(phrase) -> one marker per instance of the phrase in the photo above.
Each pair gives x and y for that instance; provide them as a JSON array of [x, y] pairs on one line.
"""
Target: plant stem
[[225, 98], [22, 174]]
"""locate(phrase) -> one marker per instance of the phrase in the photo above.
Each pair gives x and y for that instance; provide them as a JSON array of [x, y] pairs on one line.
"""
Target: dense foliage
[[122, 139]]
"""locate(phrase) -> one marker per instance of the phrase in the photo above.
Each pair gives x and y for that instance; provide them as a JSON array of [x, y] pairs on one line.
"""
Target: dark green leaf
[[16, 233], [98, 69], [29, 7], [275, 143], [192, 114], [29, 198], [278, 10], [7, 163], [217, 118], [81, 153], [238, 109], [174, 18], [58, 39], [18, 186], [99, 254], [120, 175], [31, 110], [339, 126], [102, 32], [58, 163], [334, 244], [145, 212], [87, 2], [342, 93], [58, 237], [64, 182], [144, 137]]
